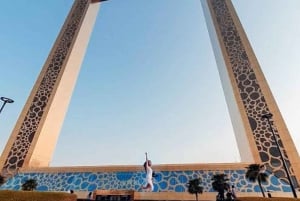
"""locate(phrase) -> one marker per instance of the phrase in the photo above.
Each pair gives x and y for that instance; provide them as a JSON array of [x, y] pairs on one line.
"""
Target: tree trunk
[[196, 196], [261, 188]]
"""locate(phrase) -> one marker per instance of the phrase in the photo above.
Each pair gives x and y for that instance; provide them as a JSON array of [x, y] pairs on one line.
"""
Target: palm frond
[[194, 186]]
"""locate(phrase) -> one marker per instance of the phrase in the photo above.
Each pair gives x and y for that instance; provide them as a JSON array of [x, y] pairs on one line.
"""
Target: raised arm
[[146, 159]]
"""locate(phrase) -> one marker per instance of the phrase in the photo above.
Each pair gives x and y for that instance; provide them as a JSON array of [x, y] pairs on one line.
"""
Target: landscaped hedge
[[6, 195], [266, 199]]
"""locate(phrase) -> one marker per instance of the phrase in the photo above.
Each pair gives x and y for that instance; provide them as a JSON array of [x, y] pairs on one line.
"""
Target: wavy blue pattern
[[165, 181]]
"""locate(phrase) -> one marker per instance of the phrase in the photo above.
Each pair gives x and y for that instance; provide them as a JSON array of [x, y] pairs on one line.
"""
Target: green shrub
[[29, 185], [6, 195], [2, 179]]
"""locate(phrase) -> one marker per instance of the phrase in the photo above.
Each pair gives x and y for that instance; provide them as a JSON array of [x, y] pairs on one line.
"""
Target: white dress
[[149, 177]]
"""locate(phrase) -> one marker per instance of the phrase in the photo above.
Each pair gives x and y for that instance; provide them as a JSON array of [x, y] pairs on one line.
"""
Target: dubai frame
[[32, 142]]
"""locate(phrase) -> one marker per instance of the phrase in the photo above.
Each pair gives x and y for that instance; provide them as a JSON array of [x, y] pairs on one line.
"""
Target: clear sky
[[149, 81]]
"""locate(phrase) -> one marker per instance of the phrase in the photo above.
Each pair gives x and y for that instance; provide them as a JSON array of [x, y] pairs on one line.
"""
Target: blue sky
[[149, 81]]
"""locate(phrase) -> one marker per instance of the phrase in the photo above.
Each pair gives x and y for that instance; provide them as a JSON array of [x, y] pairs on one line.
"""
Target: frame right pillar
[[248, 95]]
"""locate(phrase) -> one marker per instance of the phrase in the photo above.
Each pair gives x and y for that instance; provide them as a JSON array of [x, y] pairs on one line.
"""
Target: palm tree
[[220, 184], [255, 172], [194, 187], [29, 185], [2, 180]]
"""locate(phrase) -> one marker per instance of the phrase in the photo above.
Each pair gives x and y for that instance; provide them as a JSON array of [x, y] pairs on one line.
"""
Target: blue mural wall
[[174, 181]]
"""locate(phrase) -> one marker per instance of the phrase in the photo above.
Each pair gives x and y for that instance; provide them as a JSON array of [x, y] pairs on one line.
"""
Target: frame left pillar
[[34, 137]]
